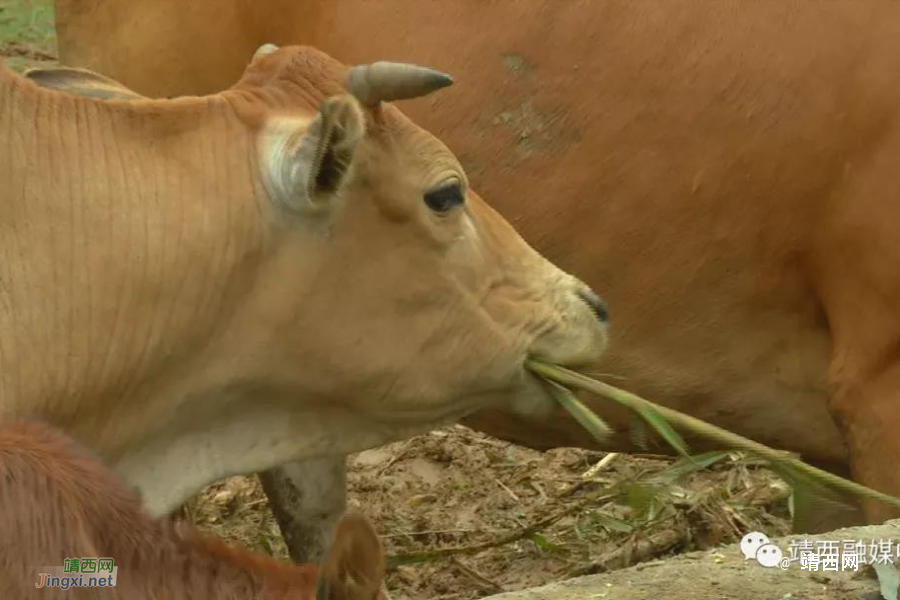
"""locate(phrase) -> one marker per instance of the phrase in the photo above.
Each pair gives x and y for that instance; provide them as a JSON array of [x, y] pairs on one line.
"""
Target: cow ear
[[353, 569], [81, 82], [309, 166]]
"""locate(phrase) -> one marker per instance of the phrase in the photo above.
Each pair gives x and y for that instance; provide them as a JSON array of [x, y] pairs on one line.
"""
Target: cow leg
[[868, 410], [856, 261], [307, 498]]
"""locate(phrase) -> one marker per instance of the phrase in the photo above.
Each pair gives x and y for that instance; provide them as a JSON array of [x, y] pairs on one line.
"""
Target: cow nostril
[[598, 306]]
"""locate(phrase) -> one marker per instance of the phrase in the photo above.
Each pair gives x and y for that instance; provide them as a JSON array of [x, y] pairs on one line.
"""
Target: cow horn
[[389, 81], [264, 50]]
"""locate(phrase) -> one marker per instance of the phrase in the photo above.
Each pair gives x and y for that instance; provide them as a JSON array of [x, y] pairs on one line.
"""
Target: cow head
[[417, 297], [388, 287]]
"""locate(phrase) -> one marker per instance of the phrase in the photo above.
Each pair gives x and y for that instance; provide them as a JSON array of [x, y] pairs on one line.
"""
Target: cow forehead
[[304, 73], [419, 148]]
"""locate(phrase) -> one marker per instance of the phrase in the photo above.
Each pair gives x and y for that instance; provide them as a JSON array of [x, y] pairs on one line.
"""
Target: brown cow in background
[[724, 172]]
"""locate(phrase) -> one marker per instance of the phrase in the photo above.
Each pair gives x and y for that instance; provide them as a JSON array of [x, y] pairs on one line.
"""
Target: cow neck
[[130, 226]]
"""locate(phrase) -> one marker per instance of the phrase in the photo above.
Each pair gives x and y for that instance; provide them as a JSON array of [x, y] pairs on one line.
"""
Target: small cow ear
[[312, 174], [353, 569]]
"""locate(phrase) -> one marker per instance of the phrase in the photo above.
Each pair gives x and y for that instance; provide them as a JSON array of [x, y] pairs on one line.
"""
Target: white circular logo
[[751, 542], [768, 555]]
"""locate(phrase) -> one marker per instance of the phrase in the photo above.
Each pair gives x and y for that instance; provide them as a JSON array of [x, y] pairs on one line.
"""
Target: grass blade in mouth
[[582, 413], [796, 470], [596, 426]]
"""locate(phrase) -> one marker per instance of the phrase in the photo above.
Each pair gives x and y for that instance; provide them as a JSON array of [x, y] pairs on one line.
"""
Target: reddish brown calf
[[57, 501]]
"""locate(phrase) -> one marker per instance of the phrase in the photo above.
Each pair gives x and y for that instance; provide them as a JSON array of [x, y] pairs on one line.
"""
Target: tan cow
[[725, 170], [60, 503], [218, 285]]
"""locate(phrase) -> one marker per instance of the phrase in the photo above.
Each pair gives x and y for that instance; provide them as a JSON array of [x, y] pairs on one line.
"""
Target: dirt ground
[[455, 488], [490, 516], [724, 574]]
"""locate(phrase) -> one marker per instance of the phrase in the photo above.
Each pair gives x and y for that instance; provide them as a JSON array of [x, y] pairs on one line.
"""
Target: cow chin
[[575, 348], [534, 401]]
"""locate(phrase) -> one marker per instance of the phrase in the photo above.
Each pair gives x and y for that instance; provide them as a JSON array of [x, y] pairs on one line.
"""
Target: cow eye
[[445, 198]]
